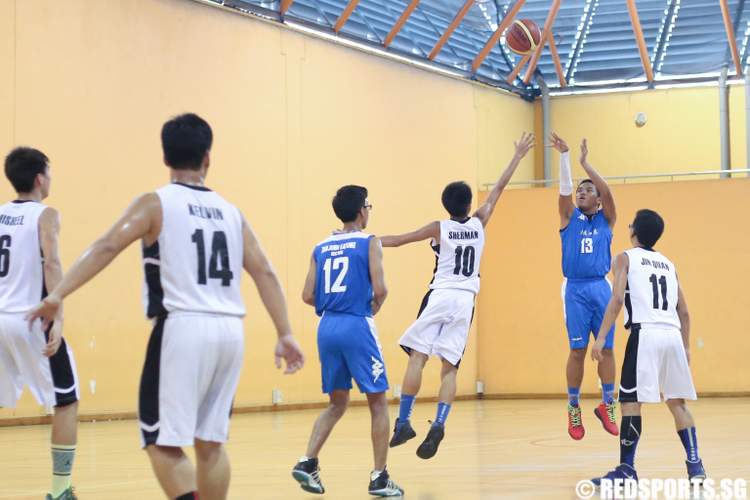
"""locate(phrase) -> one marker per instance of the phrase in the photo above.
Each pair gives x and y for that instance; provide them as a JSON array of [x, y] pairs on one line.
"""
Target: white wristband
[[566, 180]]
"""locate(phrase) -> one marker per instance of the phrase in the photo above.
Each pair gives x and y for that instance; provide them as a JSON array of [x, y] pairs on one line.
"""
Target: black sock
[[193, 495], [630, 433]]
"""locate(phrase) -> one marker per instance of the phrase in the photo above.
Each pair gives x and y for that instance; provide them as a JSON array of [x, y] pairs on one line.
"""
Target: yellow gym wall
[[91, 83], [681, 135], [523, 346]]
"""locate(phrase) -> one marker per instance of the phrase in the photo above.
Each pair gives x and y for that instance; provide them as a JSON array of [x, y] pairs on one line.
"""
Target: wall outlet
[[480, 387], [92, 386], [276, 396]]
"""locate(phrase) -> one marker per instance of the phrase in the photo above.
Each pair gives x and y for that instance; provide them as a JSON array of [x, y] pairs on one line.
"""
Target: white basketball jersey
[[196, 264], [21, 262], [651, 294], [458, 255]]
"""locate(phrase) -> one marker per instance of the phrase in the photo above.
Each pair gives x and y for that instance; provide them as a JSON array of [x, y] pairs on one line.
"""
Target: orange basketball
[[523, 36]]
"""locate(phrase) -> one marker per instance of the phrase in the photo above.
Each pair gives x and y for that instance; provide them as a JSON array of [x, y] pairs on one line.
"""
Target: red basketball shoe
[[575, 425], [605, 412]]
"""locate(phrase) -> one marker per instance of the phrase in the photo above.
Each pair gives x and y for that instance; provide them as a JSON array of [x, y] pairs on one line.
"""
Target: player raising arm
[[445, 316], [586, 237]]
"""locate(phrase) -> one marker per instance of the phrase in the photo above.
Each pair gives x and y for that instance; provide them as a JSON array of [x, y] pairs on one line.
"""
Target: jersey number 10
[[218, 267], [465, 258]]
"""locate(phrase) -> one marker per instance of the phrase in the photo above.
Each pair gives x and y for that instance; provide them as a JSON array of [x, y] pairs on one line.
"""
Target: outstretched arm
[[377, 276], [259, 267], [142, 218], [608, 201], [523, 145], [49, 231], [431, 230], [565, 204], [684, 315], [308, 292], [621, 265]]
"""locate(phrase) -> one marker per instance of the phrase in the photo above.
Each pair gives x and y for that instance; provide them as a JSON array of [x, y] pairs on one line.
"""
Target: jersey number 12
[[218, 267], [331, 265]]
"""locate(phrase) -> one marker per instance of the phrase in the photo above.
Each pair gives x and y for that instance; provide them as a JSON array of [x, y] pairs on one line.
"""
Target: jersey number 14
[[218, 266]]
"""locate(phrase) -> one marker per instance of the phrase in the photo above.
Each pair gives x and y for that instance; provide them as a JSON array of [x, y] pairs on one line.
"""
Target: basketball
[[523, 36]]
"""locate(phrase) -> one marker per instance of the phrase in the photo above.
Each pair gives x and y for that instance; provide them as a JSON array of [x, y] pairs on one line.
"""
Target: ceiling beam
[[661, 45], [518, 68], [578, 45], [731, 40], [450, 29], [345, 15], [285, 4], [556, 59], [546, 34], [638, 32], [400, 23], [496, 35]]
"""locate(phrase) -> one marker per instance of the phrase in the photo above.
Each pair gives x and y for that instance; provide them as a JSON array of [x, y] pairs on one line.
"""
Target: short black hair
[[648, 226], [584, 181], [349, 200], [22, 165], [185, 140], [457, 198]]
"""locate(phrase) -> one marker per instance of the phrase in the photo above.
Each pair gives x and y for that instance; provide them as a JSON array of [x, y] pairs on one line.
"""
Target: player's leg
[[339, 401], [638, 384], [577, 322], [600, 292], [63, 445], [418, 342], [222, 377], [447, 395], [168, 403], [378, 404], [336, 382], [450, 346], [677, 387], [380, 482], [364, 359], [411, 384], [173, 470], [54, 383], [213, 469], [685, 425]]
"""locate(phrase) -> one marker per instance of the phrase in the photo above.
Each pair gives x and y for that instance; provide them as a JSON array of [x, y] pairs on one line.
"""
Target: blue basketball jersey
[[342, 279], [586, 243]]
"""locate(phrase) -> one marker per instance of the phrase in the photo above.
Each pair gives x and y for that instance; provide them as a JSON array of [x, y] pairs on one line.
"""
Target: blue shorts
[[584, 303], [349, 349]]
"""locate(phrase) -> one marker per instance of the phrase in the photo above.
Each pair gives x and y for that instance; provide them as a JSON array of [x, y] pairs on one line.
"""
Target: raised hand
[[523, 145], [289, 350], [584, 152], [558, 143]]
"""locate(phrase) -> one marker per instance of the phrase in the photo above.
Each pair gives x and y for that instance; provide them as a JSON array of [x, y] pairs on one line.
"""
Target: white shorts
[[52, 381], [442, 325], [190, 376], [655, 364]]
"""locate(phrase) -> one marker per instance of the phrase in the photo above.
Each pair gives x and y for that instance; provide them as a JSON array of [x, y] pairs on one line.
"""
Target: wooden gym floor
[[492, 449]]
